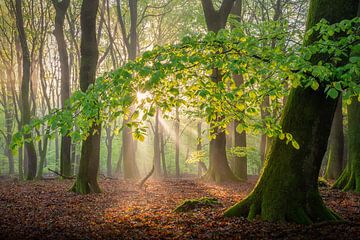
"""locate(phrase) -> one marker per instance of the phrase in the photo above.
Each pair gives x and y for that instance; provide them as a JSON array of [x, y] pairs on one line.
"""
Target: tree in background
[[30, 152], [60, 9]]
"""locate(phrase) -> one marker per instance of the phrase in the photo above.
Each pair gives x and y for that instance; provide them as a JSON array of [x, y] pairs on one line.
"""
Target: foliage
[[181, 75]]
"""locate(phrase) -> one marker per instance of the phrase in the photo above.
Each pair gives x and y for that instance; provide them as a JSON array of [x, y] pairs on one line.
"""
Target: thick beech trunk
[[86, 180], [29, 148], [287, 189], [335, 148], [349, 180]]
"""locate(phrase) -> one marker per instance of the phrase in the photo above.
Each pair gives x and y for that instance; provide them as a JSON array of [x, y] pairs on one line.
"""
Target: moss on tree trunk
[[335, 149], [349, 180], [287, 189], [86, 181]]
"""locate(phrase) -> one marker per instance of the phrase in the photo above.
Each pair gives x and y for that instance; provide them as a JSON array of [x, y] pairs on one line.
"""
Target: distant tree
[[60, 10], [131, 170], [25, 92]]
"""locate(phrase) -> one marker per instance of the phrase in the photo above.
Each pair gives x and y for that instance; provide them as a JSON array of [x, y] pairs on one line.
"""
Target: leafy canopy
[[183, 75]]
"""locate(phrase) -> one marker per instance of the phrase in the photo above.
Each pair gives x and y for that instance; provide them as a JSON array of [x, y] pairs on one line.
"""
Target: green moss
[[191, 204], [82, 186]]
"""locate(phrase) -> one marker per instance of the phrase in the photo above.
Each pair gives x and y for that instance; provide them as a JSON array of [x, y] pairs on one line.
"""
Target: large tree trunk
[[219, 170], [349, 179], [287, 190], [61, 8], [25, 88], [335, 148], [86, 180]]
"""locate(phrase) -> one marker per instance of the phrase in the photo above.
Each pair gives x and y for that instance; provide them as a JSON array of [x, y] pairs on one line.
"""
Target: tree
[[25, 94], [60, 9], [131, 170], [157, 147], [219, 170], [335, 148], [350, 177], [240, 162], [86, 180], [287, 189]]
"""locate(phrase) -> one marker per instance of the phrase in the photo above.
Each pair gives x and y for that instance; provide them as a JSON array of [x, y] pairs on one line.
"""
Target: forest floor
[[47, 210]]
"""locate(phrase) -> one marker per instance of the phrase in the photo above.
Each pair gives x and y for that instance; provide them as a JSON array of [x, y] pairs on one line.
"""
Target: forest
[[170, 119]]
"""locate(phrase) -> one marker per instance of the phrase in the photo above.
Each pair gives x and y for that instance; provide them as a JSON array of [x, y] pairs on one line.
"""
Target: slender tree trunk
[[119, 162], [240, 163], [287, 189], [177, 143], [109, 143], [25, 88], [335, 148], [157, 157], [86, 180], [162, 150], [131, 170], [61, 8]]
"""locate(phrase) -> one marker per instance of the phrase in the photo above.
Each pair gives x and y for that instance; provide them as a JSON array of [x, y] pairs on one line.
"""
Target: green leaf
[[295, 144], [333, 93], [315, 85]]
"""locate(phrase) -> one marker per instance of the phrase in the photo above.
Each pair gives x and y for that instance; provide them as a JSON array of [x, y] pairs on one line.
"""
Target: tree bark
[[335, 147], [131, 170], [162, 150], [287, 189], [25, 88], [109, 146], [86, 180], [60, 9], [219, 170], [177, 143], [349, 180], [157, 156]]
